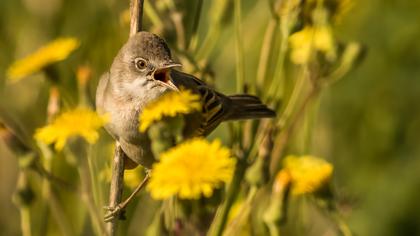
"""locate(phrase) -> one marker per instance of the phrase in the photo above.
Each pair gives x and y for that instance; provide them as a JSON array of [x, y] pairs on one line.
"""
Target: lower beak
[[172, 85], [162, 75]]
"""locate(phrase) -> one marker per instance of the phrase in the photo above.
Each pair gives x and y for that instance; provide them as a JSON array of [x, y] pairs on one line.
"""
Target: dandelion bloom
[[81, 122], [169, 105], [310, 38], [55, 51], [308, 173], [191, 170]]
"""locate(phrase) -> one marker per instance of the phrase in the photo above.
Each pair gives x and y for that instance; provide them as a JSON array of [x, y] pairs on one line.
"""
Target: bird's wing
[[100, 92], [214, 104], [103, 102], [218, 107]]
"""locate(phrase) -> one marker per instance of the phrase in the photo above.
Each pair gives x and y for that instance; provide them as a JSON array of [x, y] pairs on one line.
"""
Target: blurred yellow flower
[[191, 170], [81, 122], [55, 51], [133, 177], [308, 174], [282, 181], [302, 44], [169, 105]]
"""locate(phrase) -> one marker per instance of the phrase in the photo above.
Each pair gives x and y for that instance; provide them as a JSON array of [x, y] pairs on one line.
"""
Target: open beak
[[162, 75]]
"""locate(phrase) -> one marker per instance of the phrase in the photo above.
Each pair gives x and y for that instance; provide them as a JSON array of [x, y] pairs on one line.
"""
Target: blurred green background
[[368, 124]]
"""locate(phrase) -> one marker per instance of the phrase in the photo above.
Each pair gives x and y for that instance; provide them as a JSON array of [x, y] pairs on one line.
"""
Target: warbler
[[142, 71]]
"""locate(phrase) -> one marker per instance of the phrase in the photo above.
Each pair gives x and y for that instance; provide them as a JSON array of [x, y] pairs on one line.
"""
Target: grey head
[[141, 70]]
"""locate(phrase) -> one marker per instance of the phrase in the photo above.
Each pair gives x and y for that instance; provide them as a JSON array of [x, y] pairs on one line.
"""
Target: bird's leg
[[114, 211]]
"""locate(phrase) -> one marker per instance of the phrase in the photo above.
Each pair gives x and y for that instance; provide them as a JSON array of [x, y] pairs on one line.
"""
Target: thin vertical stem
[[25, 221], [275, 88], [240, 74], [136, 10], [23, 204], [220, 219], [117, 184], [51, 197], [265, 53], [86, 193], [192, 41]]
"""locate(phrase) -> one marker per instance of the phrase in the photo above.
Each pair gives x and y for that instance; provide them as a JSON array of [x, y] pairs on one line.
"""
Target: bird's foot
[[113, 212]]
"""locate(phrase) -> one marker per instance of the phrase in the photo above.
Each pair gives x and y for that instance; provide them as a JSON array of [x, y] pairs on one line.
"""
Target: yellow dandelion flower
[[169, 105], [55, 51], [191, 170], [81, 122], [311, 38], [308, 174]]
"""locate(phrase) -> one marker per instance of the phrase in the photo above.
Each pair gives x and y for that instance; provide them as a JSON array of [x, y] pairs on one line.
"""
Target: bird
[[142, 71]]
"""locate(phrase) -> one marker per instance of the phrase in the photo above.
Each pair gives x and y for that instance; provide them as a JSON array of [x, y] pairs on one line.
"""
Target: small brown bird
[[143, 71]]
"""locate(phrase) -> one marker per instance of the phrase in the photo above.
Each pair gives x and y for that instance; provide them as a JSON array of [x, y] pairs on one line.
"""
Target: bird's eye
[[141, 64]]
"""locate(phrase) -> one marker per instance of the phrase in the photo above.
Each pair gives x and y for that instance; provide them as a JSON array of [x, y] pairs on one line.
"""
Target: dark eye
[[141, 64]]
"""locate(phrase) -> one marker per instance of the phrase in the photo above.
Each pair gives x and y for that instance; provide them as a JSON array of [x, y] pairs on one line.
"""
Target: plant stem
[[284, 136], [240, 74], [243, 214], [192, 41], [136, 10], [275, 88], [86, 190], [291, 104], [265, 53], [220, 219], [25, 221], [179, 29], [117, 184], [152, 14], [51, 197]]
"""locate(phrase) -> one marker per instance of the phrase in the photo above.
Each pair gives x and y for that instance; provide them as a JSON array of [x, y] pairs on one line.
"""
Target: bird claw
[[113, 212]]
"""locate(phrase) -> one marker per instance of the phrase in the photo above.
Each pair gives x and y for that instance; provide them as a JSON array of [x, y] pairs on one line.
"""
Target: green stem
[[240, 74], [213, 34], [25, 221], [265, 53], [51, 197], [275, 88], [243, 213], [193, 40], [287, 131], [179, 29], [93, 170], [87, 197], [220, 219], [153, 16], [294, 97], [209, 42]]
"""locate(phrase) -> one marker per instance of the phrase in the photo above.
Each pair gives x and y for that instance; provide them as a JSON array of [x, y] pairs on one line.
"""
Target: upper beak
[[171, 65], [162, 74]]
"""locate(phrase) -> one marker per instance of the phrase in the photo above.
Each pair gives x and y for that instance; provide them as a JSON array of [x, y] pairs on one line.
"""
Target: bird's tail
[[248, 107]]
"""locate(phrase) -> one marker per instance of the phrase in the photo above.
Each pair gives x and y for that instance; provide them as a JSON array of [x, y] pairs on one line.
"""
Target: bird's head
[[143, 66]]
